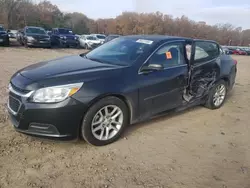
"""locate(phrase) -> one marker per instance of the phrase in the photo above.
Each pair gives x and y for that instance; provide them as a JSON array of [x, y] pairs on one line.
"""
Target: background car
[[100, 37], [238, 51], [64, 37], [111, 37], [12, 33], [247, 50], [34, 37], [4, 38], [89, 42], [226, 50]]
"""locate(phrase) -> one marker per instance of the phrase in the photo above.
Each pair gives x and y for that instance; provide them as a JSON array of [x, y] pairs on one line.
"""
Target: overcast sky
[[211, 11]]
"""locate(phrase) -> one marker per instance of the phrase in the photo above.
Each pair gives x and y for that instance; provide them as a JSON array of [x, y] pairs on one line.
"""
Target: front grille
[[14, 104]]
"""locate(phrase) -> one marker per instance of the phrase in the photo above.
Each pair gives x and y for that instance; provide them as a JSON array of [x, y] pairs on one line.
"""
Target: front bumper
[[59, 121], [92, 46], [3, 40], [69, 42], [35, 43]]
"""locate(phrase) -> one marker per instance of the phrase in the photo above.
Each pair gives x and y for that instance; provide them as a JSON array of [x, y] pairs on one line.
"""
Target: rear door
[[205, 67]]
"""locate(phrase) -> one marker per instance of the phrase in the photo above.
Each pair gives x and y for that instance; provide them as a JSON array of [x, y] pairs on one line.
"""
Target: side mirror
[[152, 67]]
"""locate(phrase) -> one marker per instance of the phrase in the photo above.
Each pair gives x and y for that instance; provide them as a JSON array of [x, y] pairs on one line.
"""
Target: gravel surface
[[195, 148]]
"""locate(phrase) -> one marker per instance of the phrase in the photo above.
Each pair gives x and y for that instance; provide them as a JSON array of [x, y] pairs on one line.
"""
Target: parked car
[[89, 42], [4, 38], [100, 37], [19, 36], [12, 34], [64, 37], [34, 37], [238, 51], [226, 50], [111, 37], [247, 50], [127, 80]]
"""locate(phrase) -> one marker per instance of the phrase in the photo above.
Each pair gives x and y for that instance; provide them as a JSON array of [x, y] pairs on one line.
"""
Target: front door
[[205, 68], [162, 90]]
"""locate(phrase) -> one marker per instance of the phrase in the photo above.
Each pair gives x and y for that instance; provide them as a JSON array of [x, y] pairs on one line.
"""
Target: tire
[[211, 96], [7, 43], [87, 128]]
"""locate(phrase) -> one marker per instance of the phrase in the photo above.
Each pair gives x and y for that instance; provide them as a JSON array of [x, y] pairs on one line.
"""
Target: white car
[[100, 37], [89, 42]]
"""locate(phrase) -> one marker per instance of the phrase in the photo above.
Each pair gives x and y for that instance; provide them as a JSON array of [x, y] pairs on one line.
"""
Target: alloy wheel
[[220, 94], [107, 122]]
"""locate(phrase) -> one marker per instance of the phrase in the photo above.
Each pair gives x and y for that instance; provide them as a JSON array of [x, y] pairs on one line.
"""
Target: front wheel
[[105, 121], [217, 95]]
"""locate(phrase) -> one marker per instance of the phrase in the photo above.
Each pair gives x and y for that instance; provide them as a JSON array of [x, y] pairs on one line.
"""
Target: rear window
[[205, 51]]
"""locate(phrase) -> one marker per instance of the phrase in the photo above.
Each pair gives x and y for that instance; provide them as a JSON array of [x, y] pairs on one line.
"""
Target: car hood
[[70, 66]]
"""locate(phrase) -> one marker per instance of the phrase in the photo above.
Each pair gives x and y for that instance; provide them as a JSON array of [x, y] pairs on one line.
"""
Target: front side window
[[91, 38], [205, 51], [170, 55], [100, 36], [122, 51]]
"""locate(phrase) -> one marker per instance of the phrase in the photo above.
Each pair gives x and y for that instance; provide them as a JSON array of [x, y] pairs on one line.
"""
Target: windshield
[[122, 51], [35, 30], [91, 38], [65, 31], [100, 36]]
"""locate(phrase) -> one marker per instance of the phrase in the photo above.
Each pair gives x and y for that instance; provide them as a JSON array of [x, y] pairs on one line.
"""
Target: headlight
[[30, 38], [76, 38], [56, 93], [63, 37]]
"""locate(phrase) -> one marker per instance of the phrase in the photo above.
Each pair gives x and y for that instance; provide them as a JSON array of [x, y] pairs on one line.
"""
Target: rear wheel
[[105, 121], [217, 95]]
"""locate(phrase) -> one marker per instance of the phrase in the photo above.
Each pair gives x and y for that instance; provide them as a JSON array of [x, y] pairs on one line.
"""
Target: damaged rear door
[[205, 68]]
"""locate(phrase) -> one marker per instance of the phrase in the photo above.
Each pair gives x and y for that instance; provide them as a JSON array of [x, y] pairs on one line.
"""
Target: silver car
[[89, 42], [100, 37]]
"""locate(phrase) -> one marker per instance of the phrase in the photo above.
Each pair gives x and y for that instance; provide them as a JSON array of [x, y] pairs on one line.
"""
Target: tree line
[[15, 14]]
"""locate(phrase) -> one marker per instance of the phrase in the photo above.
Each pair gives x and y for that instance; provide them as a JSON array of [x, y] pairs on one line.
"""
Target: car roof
[[156, 38], [34, 27], [62, 28]]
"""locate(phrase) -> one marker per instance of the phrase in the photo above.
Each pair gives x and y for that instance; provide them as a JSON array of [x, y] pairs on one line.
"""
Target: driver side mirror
[[152, 67]]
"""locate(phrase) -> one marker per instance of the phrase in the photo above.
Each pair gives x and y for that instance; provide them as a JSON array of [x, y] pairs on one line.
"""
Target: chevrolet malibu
[[133, 78]]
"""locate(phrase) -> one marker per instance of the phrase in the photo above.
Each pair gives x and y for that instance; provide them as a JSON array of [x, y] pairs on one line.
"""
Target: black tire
[[86, 131], [7, 43], [209, 103]]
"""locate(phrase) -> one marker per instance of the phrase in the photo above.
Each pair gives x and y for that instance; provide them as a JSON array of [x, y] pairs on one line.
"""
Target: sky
[[210, 11]]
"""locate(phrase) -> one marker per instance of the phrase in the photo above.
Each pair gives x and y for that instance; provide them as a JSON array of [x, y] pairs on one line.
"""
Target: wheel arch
[[226, 79], [119, 96]]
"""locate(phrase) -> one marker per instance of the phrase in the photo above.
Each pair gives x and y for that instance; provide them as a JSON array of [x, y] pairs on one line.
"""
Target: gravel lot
[[196, 148]]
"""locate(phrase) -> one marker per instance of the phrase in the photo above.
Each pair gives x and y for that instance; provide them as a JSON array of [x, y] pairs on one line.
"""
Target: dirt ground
[[196, 148]]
